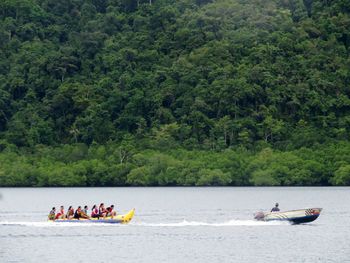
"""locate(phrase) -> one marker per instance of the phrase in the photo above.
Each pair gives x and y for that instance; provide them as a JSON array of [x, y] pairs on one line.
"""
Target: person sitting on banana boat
[[52, 214], [60, 214], [110, 211], [275, 209], [80, 214], [70, 213], [85, 211], [102, 210], [94, 212]]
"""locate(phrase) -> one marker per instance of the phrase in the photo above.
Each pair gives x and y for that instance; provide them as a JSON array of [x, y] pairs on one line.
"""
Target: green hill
[[188, 92]]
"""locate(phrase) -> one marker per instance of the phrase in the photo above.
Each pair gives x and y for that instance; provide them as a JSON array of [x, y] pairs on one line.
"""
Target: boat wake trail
[[185, 223]]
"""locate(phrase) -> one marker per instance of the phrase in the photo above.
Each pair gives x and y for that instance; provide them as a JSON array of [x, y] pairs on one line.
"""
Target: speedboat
[[294, 216], [118, 219]]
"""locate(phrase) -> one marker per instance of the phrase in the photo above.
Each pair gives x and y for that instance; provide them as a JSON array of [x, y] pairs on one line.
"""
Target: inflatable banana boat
[[118, 219], [294, 216]]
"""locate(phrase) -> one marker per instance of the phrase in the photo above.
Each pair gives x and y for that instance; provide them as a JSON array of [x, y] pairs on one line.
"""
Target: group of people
[[96, 212]]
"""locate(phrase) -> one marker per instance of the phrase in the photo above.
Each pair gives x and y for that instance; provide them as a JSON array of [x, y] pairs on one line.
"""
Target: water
[[176, 225]]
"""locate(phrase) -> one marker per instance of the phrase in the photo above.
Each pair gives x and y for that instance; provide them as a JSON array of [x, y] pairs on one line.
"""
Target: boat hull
[[119, 219], [295, 216]]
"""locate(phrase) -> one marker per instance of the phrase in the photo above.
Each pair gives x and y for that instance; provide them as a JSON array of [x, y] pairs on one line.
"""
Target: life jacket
[[77, 214], [101, 210], [94, 212], [52, 215], [70, 212], [60, 213]]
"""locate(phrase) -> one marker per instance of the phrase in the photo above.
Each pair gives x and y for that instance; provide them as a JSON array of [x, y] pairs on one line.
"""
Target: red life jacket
[[60, 213], [94, 212]]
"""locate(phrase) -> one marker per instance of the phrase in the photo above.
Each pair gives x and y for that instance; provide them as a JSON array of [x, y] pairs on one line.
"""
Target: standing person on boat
[[52, 214], [110, 211], [102, 210], [94, 212], [70, 213], [275, 209], [60, 214]]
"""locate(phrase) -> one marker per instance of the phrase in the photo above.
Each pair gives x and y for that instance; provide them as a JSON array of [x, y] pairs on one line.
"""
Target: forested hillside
[[187, 92]]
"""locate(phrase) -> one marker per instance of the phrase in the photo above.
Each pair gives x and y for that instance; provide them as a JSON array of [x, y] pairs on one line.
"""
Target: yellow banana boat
[[118, 219]]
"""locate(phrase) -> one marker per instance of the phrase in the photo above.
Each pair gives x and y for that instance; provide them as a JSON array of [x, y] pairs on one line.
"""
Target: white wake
[[185, 223]]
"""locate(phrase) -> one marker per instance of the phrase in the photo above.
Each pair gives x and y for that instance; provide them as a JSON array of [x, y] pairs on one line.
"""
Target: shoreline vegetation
[[125, 165], [174, 93]]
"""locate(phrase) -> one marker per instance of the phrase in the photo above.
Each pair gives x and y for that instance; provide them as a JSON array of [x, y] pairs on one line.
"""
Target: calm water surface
[[175, 225]]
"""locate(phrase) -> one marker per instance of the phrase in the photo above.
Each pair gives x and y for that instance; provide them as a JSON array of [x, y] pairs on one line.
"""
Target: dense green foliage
[[118, 165], [188, 92]]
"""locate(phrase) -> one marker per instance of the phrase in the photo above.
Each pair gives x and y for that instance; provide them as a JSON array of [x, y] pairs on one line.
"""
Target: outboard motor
[[259, 216]]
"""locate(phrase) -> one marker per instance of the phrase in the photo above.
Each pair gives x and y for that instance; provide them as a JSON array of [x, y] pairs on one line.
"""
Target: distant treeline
[[224, 92], [126, 165]]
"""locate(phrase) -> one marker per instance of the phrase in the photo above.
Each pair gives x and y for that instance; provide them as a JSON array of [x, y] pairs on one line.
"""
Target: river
[[176, 225]]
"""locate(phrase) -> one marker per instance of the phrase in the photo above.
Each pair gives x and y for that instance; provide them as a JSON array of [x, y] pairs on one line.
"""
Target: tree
[[126, 149], [342, 176], [213, 177]]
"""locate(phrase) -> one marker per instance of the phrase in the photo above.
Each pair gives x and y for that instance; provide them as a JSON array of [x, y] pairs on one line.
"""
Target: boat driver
[[275, 209]]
